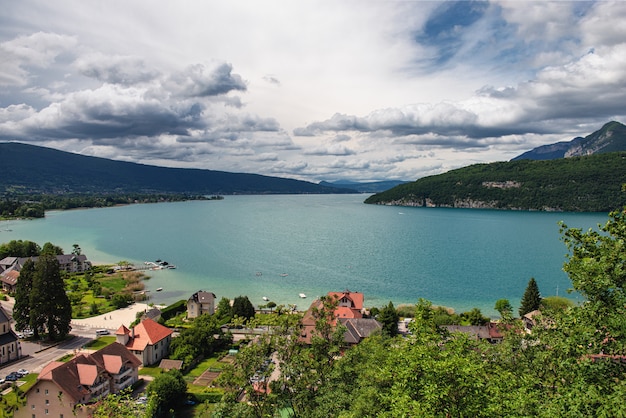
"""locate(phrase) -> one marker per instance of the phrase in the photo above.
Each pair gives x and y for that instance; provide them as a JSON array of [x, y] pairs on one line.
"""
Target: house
[[68, 389], [492, 332], [358, 329], [200, 303], [10, 349], [530, 320], [10, 268], [349, 312], [9, 280], [149, 341], [349, 304]]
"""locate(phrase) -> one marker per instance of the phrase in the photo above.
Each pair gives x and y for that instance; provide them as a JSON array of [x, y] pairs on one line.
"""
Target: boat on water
[[159, 289], [284, 275], [265, 298], [159, 265], [302, 295]]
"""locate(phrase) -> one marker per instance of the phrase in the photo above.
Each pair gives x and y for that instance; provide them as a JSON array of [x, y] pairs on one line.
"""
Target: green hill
[[28, 169], [586, 184]]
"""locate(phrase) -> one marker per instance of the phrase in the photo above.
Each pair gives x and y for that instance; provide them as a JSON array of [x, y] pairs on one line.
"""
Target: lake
[[279, 246]]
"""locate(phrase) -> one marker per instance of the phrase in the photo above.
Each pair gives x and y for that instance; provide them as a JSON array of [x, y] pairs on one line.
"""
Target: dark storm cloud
[[200, 81]]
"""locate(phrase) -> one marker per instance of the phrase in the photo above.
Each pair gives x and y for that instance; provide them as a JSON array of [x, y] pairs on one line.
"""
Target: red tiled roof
[[122, 330], [147, 332]]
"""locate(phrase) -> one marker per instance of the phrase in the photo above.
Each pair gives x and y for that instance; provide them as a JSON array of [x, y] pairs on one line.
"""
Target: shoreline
[[114, 319]]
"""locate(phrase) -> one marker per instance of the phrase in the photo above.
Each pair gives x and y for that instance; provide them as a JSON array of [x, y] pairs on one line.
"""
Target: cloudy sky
[[314, 90]]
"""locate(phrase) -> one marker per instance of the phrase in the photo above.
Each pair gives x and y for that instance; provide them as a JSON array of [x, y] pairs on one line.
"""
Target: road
[[36, 355]]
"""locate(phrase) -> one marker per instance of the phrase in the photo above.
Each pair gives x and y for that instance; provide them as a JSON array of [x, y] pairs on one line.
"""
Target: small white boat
[[302, 295], [159, 289], [265, 298]]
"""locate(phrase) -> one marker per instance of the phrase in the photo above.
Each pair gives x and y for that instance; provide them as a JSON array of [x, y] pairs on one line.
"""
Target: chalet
[[10, 268], [492, 332], [68, 389], [200, 303], [10, 349], [149, 341], [348, 312], [70, 263]]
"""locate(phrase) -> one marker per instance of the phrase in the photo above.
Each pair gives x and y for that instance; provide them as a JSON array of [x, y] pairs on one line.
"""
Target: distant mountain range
[[365, 187], [590, 179], [610, 138], [29, 169]]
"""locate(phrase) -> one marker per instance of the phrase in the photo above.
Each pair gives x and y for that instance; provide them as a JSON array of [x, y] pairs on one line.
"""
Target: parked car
[[12, 377], [2, 381], [22, 372]]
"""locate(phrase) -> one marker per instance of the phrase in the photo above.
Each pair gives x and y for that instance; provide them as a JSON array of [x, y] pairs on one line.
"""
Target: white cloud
[[309, 89]]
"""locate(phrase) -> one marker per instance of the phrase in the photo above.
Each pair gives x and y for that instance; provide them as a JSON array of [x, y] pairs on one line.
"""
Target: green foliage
[[223, 310], [167, 392], [589, 184], [23, 289], [388, 317], [556, 303], [174, 309], [242, 307], [474, 317], [19, 248], [503, 306], [202, 339], [118, 405], [50, 307], [531, 300]]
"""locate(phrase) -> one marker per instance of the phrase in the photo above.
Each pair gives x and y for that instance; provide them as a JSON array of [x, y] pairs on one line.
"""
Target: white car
[[22, 372]]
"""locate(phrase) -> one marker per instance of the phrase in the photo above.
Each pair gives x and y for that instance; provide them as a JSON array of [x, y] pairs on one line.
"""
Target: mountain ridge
[[581, 175], [33, 169], [610, 138]]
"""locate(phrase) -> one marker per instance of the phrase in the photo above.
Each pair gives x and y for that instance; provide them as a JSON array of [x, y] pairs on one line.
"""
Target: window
[[37, 390], [47, 401], [46, 392]]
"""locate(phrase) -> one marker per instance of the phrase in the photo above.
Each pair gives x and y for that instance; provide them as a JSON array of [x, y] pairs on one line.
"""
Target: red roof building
[[148, 340], [67, 389]]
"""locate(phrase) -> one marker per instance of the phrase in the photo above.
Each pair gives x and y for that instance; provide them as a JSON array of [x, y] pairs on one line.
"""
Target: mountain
[[591, 183], [33, 169], [610, 138], [365, 187]]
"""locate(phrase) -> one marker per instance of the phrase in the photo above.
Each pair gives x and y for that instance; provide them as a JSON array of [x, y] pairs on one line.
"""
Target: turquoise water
[[281, 246]]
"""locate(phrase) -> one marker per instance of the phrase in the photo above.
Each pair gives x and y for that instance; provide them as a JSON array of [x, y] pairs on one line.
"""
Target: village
[[135, 345]]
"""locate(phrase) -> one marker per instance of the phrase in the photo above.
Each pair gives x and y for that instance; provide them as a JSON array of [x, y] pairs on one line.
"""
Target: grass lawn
[[101, 342]]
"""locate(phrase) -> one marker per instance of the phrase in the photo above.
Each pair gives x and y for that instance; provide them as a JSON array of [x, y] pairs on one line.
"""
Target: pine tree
[[23, 289], [242, 307], [388, 317], [532, 298], [51, 308]]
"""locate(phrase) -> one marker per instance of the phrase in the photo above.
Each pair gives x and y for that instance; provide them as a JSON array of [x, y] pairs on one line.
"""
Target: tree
[[169, 389], [475, 317], [503, 306], [50, 306], [23, 289], [242, 307], [50, 248], [388, 317], [531, 300], [223, 310]]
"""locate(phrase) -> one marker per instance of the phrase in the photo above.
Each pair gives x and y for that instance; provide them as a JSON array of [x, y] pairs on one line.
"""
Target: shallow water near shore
[[283, 245]]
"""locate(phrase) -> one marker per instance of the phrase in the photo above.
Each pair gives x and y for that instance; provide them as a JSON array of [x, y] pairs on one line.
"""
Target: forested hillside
[[29, 169], [587, 184]]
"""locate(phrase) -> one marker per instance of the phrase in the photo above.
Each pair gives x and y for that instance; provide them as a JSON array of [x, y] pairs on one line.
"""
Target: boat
[[302, 295], [284, 275], [265, 298], [159, 289]]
